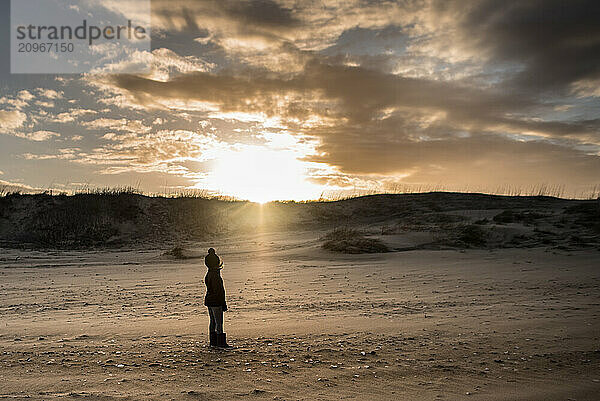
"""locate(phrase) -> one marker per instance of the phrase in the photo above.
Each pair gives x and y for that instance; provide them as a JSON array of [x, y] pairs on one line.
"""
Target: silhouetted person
[[215, 299]]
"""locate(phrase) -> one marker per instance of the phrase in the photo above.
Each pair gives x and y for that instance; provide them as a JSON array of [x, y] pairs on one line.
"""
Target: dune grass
[[120, 216], [539, 190], [350, 240]]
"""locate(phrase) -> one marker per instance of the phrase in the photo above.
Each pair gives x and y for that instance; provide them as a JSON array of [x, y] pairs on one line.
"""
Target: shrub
[[505, 217], [509, 216], [348, 240], [473, 235], [177, 252]]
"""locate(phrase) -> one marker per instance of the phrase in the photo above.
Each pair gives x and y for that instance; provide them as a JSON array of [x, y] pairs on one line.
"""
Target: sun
[[261, 175]]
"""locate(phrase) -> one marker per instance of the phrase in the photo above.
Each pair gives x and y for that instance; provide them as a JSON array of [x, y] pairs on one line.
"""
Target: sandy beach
[[405, 196], [305, 323]]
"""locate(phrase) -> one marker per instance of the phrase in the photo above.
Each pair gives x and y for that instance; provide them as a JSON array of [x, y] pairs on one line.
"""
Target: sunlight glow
[[261, 175]]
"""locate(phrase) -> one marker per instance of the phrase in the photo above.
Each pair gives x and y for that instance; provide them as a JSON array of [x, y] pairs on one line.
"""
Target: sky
[[270, 99]]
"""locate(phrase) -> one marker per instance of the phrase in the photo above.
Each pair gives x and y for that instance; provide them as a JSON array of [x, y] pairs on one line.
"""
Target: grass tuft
[[349, 240], [177, 252]]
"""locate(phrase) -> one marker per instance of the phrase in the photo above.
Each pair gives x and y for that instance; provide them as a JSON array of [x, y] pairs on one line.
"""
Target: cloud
[[63, 154], [10, 120], [475, 160], [360, 96], [46, 104], [274, 34], [164, 151], [370, 122], [9, 186], [14, 102], [159, 64], [192, 16], [25, 95], [122, 124], [49, 93], [72, 115], [549, 44], [421, 91], [586, 88], [38, 136]]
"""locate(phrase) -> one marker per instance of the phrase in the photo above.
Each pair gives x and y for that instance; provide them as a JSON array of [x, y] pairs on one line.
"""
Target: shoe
[[214, 341], [222, 341]]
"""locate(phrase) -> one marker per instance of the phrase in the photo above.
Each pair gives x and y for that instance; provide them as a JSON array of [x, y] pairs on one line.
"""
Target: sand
[[306, 324]]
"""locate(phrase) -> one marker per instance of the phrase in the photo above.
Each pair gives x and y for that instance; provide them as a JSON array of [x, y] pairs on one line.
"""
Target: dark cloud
[[433, 131], [231, 93], [500, 126], [556, 43], [260, 12], [478, 159], [360, 96], [420, 91], [258, 15], [362, 41]]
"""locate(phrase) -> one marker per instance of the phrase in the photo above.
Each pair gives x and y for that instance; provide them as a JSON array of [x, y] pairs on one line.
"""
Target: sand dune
[[429, 220]]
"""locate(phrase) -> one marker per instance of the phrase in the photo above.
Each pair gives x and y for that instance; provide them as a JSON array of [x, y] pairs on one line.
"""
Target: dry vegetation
[[349, 240], [107, 218], [123, 217]]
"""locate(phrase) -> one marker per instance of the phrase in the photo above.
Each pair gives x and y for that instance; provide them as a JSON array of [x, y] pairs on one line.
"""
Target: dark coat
[[215, 291], [212, 261]]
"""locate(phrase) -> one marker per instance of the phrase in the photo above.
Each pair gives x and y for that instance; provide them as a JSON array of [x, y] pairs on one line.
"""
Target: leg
[[218, 314], [212, 334], [212, 324], [217, 311]]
